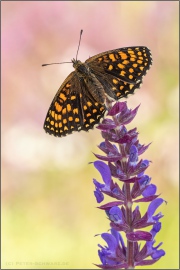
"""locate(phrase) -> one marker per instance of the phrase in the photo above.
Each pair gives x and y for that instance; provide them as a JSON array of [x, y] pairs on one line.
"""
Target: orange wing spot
[[121, 66], [58, 107], [60, 125], [115, 81], [59, 117], [75, 111], [72, 127], [65, 128], [130, 77], [122, 73], [87, 125], [62, 96], [100, 59], [130, 51], [80, 95], [141, 68], [112, 57], [52, 128], [89, 104], [70, 118], [140, 57], [121, 87], [105, 58], [85, 107], [68, 107], [64, 111], [56, 125], [131, 86], [56, 116], [110, 67], [96, 104], [132, 59], [52, 123], [88, 114], [52, 113], [145, 64], [68, 85], [91, 120], [64, 121], [131, 70], [47, 119], [118, 94], [94, 111], [76, 120], [139, 61], [73, 97], [139, 53], [135, 65], [123, 55], [101, 109], [125, 62]]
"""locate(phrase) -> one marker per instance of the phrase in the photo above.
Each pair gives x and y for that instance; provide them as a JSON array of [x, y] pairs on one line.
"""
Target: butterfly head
[[76, 62], [81, 68]]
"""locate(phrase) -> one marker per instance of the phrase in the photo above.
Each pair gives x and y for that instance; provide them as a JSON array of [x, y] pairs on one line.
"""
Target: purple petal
[[97, 184], [99, 196], [133, 154], [104, 171], [153, 206], [150, 190], [144, 181], [110, 240], [156, 228], [158, 254], [117, 108], [115, 215]]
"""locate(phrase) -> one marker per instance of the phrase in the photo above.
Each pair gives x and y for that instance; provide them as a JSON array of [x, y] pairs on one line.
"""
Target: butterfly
[[79, 104]]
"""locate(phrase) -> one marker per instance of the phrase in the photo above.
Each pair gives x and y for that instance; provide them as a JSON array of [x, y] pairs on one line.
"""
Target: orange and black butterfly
[[79, 103]]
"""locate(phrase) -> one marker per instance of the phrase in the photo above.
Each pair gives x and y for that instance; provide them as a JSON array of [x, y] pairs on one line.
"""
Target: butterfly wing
[[121, 70], [72, 109]]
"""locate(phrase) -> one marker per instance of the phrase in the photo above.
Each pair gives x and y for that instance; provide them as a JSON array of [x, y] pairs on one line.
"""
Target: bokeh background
[[49, 214]]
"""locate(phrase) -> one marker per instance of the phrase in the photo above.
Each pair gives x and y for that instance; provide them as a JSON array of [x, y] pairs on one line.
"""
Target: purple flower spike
[[121, 151]]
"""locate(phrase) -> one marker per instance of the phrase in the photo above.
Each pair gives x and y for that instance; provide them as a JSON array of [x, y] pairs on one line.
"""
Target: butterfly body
[[80, 101], [93, 85]]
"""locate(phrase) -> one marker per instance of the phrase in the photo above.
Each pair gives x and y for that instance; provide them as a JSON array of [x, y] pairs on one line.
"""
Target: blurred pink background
[[49, 214]]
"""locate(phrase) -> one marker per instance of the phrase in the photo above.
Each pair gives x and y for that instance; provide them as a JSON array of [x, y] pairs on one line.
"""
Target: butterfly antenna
[[79, 43], [43, 65]]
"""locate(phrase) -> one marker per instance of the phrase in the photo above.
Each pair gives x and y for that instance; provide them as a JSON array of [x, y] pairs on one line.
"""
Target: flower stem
[[128, 208]]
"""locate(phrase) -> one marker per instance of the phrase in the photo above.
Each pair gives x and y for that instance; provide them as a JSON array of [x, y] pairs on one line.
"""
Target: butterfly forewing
[[72, 109], [123, 68], [118, 72]]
